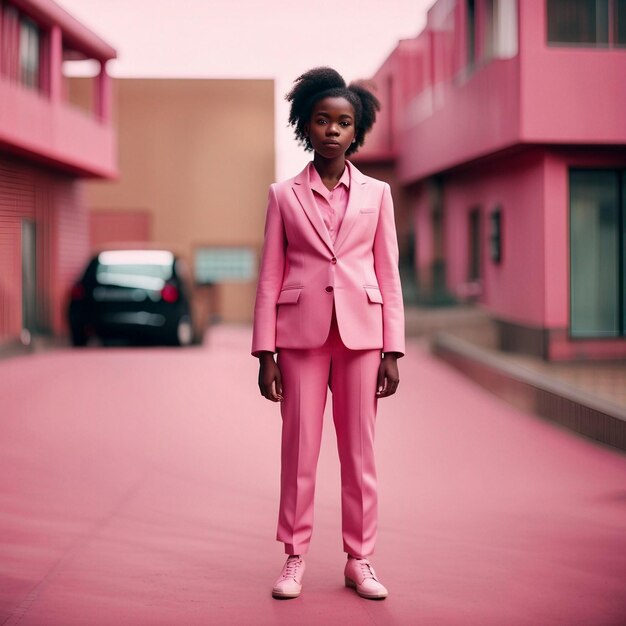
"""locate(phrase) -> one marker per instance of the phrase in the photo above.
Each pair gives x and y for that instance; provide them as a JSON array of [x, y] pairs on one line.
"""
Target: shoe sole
[[284, 596], [350, 583]]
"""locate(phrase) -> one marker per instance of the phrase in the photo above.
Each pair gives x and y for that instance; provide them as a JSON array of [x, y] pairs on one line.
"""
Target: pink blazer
[[302, 273]]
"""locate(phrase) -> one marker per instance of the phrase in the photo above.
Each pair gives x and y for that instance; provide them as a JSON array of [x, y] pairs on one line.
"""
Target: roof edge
[[49, 13]]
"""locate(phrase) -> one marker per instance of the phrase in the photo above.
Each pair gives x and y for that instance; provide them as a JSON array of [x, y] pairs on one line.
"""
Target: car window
[[138, 276], [134, 270]]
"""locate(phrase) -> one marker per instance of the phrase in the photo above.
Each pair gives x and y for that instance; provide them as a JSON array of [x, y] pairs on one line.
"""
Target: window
[[587, 22], [597, 271], [475, 247], [471, 31], [29, 53], [488, 29], [619, 21], [495, 236], [491, 30], [20, 39], [500, 29]]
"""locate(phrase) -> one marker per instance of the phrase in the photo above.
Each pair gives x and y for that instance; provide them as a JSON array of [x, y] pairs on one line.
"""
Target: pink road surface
[[139, 487]]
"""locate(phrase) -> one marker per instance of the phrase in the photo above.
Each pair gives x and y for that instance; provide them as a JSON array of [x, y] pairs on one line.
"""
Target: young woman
[[329, 304]]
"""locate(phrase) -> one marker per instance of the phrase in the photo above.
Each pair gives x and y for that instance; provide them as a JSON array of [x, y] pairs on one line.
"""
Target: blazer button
[[329, 288], [334, 260]]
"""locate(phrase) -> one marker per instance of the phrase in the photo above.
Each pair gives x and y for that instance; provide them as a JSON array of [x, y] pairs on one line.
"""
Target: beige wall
[[199, 156]]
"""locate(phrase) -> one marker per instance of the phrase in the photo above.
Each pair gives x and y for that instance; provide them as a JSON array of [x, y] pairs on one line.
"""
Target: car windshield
[[141, 269]]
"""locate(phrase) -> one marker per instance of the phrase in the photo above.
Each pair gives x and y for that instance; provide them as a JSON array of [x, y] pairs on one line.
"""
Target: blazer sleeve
[[386, 258], [270, 278]]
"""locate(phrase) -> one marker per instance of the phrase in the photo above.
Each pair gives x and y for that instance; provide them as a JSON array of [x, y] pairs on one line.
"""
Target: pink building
[[504, 128], [48, 144]]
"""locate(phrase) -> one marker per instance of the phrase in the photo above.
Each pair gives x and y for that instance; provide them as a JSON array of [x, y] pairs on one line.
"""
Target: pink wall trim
[[473, 119], [443, 114], [56, 132], [54, 70], [569, 94], [49, 13]]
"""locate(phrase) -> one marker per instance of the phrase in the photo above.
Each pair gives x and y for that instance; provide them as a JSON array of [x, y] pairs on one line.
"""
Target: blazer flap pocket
[[374, 295], [289, 296], [368, 210]]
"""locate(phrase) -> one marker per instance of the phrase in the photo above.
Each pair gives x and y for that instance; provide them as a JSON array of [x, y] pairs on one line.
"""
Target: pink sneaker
[[360, 575], [289, 583]]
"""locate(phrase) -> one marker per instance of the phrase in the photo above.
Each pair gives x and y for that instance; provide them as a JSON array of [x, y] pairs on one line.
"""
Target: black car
[[135, 295]]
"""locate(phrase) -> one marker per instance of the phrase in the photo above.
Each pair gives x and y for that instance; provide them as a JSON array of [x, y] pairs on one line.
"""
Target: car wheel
[[79, 337], [184, 331]]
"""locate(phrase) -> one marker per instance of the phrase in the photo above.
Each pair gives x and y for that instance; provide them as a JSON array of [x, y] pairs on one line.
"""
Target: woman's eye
[[346, 124], [321, 121]]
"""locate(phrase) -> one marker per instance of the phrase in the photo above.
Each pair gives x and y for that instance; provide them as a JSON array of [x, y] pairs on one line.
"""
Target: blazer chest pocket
[[368, 210], [374, 295], [289, 295]]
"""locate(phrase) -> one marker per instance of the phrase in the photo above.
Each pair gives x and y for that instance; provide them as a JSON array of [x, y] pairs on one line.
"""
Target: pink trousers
[[351, 376]]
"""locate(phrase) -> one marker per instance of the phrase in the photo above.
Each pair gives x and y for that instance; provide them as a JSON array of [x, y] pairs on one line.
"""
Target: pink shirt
[[331, 205]]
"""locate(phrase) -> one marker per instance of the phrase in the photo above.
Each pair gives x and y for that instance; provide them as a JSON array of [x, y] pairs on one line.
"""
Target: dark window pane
[[578, 21], [620, 22], [475, 248], [495, 236], [471, 32], [623, 286], [594, 240], [602, 21]]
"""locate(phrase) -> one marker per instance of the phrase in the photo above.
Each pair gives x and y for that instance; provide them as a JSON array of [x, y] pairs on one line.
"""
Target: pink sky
[[251, 39]]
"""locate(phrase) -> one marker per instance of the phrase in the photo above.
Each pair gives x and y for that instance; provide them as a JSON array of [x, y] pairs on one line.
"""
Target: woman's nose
[[332, 129]]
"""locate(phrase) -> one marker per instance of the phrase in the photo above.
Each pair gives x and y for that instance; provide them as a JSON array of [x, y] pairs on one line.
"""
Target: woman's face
[[331, 128]]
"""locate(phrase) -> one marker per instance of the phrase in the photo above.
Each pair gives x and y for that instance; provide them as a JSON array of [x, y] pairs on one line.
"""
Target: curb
[[555, 400]]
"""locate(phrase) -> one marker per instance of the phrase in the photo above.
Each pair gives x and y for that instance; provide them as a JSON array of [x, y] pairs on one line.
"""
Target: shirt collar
[[316, 183]]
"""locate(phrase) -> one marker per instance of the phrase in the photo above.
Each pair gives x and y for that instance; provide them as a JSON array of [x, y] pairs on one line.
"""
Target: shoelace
[[291, 568], [366, 569]]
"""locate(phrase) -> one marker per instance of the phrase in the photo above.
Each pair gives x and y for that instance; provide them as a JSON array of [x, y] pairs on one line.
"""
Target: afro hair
[[324, 82]]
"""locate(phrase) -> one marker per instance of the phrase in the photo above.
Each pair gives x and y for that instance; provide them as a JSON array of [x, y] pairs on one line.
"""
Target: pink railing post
[[55, 70], [103, 94]]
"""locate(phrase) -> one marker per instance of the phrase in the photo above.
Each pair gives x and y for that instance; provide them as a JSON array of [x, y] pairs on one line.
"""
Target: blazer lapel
[[355, 203], [303, 192]]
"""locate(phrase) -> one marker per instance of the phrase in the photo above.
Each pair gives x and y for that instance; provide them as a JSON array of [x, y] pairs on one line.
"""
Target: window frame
[[475, 269], [611, 34], [620, 176], [496, 235]]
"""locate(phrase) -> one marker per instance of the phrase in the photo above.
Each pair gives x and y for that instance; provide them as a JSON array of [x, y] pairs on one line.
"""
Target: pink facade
[[507, 110], [47, 144]]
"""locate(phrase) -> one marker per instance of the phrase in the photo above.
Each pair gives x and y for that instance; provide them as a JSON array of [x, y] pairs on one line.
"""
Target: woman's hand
[[388, 375], [270, 380]]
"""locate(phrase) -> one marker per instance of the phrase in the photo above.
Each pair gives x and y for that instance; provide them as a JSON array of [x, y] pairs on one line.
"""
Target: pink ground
[[140, 486]]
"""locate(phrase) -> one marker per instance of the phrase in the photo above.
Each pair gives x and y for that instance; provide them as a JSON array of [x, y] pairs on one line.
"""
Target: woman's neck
[[330, 170]]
